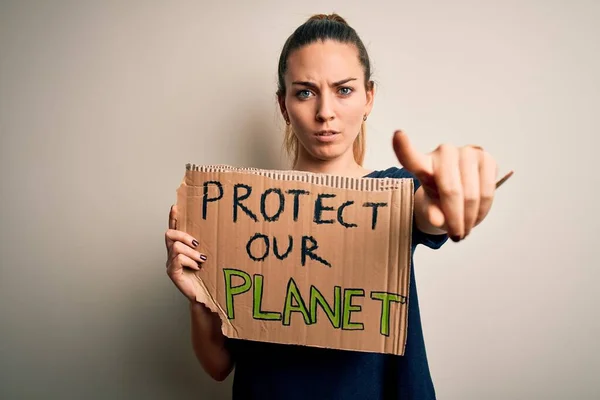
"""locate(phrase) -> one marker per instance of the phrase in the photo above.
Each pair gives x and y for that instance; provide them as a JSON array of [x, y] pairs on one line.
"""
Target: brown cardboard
[[358, 263]]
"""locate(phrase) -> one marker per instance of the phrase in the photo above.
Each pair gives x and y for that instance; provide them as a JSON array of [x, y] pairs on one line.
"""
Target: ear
[[281, 101], [370, 97]]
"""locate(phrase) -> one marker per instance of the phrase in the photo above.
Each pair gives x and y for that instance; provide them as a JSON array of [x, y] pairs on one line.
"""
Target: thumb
[[173, 217], [436, 215], [412, 160], [431, 209]]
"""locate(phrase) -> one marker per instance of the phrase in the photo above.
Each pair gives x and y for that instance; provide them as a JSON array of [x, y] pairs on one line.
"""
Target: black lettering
[[263, 204], [265, 238], [340, 215], [297, 193], [206, 199], [308, 251], [287, 252], [237, 201], [319, 208], [375, 207]]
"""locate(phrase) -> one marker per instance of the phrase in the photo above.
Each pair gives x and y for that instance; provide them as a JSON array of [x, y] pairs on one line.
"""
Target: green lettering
[[349, 307], [231, 291], [257, 313], [386, 299], [293, 293], [334, 313]]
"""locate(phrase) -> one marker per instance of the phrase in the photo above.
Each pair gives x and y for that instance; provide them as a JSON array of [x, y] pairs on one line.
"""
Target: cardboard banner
[[302, 258]]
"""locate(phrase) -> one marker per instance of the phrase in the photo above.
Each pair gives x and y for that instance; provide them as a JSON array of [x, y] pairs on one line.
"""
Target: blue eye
[[303, 94], [345, 91]]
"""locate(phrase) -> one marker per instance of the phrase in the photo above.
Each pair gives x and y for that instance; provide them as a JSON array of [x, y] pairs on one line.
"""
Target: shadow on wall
[[157, 358], [259, 142], [157, 344]]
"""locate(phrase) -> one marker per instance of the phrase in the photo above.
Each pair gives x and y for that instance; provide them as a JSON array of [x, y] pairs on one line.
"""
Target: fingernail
[[455, 238], [195, 243], [202, 257]]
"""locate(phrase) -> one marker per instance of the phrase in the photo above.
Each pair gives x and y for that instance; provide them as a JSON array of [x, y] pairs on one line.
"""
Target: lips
[[327, 136], [326, 133]]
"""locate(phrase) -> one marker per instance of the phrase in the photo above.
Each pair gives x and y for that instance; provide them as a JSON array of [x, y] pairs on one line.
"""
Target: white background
[[102, 104]]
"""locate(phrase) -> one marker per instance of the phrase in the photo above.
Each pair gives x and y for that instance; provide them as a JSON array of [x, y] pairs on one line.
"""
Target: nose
[[325, 110]]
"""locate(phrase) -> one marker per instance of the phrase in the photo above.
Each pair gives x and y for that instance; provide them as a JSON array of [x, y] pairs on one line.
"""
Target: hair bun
[[328, 17]]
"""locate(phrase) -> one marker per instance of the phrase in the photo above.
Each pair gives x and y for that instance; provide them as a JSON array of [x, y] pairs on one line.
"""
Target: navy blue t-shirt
[[268, 371]]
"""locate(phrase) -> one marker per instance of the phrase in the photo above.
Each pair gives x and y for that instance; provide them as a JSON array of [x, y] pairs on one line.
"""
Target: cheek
[[301, 113], [353, 111]]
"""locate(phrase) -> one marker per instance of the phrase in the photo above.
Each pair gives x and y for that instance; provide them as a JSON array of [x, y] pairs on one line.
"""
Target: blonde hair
[[321, 27]]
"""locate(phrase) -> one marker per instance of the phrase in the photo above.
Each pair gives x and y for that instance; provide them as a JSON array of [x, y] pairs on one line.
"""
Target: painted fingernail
[[455, 238], [195, 243], [202, 257]]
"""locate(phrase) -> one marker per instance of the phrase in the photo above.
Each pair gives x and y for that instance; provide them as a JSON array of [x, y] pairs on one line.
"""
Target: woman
[[325, 94]]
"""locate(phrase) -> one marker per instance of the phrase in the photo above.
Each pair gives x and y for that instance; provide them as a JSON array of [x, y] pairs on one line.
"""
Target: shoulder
[[391, 172], [397, 173]]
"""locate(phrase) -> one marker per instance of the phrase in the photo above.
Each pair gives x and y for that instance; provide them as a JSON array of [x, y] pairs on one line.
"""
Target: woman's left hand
[[457, 186]]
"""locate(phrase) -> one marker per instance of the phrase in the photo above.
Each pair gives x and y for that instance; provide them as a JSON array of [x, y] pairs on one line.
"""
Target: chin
[[327, 153]]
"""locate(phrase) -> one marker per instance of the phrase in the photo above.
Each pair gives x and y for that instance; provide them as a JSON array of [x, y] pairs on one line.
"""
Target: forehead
[[328, 60]]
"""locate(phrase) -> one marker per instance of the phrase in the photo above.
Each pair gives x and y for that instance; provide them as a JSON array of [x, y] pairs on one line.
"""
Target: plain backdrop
[[103, 103]]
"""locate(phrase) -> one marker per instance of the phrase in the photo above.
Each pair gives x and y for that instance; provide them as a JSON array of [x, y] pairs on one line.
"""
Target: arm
[[207, 339], [209, 342]]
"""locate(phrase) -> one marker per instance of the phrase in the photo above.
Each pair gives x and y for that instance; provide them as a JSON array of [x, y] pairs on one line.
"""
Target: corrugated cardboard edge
[[409, 264], [341, 182], [327, 180]]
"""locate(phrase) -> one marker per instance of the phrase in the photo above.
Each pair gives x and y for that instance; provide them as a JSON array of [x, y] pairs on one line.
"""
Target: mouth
[[327, 136], [326, 133]]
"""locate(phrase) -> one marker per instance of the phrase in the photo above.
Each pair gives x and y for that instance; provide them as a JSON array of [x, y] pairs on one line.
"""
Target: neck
[[345, 165]]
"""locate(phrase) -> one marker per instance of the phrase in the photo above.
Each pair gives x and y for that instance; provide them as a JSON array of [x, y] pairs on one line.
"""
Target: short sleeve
[[429, 240]]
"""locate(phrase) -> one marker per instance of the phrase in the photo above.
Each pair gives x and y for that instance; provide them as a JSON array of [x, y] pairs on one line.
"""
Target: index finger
[[412, 160], [173, 236]]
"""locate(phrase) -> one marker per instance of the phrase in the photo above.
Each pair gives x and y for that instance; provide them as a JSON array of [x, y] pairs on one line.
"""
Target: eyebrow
[[312, 85]]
